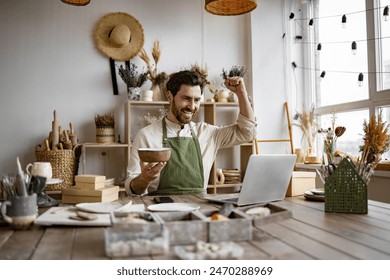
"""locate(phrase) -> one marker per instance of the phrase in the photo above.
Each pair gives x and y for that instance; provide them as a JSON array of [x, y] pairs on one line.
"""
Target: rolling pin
[[55, 136]]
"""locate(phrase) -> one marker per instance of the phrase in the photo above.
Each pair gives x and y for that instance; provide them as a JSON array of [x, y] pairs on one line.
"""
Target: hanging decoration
[[353, 44], [76, 2], [229, 7]]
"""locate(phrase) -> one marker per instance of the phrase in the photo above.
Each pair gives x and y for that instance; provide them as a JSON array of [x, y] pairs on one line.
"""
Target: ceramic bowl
[[154, 154]]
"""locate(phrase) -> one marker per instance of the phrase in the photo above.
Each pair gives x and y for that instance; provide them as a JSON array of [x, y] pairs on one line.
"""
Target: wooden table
[[310, 234]]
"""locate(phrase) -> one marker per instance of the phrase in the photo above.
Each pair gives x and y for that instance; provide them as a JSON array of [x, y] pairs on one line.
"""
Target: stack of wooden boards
[[90, 188]]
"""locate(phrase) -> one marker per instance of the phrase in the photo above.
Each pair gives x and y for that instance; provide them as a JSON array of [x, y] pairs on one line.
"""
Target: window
[[384, 48], [340, 93], [336, 58]]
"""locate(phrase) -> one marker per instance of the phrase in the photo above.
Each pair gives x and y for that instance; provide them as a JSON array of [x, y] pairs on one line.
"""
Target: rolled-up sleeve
[[243, 131]]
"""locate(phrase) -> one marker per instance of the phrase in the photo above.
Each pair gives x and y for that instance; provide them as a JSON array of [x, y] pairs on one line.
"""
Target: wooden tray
[[277, 214], [184, 227]]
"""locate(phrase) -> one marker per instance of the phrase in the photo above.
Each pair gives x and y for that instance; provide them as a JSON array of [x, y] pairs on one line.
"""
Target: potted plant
[[132, 79]]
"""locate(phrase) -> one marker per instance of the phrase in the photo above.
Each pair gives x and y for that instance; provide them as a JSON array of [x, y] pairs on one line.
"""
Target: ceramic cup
[[42, 169], [20, 211], [147, 95]]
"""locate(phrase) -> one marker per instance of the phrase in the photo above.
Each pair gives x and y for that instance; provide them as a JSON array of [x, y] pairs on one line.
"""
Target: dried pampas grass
[[156, 54], [376, 141], [308, 125]]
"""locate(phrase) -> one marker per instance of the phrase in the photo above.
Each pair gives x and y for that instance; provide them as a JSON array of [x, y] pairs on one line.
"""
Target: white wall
[[49, 62]]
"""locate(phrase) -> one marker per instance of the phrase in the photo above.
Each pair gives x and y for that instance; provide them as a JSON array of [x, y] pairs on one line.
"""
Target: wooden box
[[125, 239], [237, 228], [185, 227], [301, 181], [277, 214]]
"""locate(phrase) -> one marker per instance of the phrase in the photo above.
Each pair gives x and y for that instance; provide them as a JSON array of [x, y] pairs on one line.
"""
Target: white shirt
[[211, 139]]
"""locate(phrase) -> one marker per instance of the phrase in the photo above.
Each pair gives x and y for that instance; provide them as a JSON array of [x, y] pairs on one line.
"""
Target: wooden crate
[[124, 239], [185, 227], [237, 228], [277, 214]]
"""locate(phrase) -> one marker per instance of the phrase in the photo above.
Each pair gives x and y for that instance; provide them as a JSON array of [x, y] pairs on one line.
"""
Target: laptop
[[266, 179]]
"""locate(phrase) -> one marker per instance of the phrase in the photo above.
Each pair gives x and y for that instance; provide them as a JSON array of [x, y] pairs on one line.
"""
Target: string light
[[344, 21], [323, 73], [311, 22], [291, 16], [386, 13], [360, 79], [354, 48]]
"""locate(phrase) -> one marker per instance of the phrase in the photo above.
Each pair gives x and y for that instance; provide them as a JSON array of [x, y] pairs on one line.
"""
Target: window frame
[[377, 98]]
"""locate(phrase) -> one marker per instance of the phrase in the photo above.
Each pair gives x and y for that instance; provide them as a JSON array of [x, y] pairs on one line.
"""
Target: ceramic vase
[[133, 93]]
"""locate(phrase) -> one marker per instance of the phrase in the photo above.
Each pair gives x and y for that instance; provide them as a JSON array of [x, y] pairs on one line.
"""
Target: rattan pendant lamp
[[229, 7], [76, 2]]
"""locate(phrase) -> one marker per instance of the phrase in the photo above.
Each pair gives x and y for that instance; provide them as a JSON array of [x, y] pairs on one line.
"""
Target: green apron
[[183, 173]]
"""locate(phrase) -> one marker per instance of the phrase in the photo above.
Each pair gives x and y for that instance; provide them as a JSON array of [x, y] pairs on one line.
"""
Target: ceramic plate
[[172, 207], [315, 197], [319, 191], [53, 181], [99, 207]]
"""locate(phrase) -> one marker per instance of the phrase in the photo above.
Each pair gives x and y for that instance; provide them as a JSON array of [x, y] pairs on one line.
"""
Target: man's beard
[[183, 119]]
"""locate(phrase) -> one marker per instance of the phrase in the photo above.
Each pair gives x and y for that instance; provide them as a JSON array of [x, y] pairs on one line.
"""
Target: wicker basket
[[105, 134], [345, 190], [65, 164]]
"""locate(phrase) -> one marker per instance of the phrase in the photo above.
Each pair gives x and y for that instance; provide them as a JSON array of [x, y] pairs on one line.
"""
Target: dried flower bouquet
[[376, 141]]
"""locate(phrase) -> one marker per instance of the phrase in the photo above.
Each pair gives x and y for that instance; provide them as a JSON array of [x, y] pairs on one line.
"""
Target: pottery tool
[[55, 136], [20, 183], [67, 144], [72, 135]]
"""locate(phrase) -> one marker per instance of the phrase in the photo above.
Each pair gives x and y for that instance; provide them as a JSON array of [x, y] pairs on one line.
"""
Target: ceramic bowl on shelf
[[154, 154]]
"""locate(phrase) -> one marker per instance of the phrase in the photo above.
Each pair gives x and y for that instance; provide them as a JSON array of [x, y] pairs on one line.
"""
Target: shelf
[[85, 146], [104, 145], [159, 103]]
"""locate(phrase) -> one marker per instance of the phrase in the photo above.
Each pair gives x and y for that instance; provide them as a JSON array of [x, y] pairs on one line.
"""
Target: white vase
[[133, 93]]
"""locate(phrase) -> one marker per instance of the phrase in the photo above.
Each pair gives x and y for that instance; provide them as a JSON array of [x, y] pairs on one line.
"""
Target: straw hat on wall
[[119, 36]]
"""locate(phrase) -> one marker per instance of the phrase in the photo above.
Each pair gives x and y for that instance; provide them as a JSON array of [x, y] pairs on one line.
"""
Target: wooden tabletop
[[311, 233]]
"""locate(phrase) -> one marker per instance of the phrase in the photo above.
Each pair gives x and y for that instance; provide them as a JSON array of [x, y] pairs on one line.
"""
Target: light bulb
[[311, 22], [344, 21], [319, 48], [360, 79], [323, 73], [354, 48], [386, 13]]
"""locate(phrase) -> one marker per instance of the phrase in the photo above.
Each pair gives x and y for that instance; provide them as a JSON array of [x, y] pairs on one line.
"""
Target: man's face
[[185, 104]]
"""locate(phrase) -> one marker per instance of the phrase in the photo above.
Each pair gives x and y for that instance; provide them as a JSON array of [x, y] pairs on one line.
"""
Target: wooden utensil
[[55, 136]]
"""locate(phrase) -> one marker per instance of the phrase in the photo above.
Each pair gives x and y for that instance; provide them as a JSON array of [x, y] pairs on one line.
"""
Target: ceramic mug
[[42, 169], [20, 211]]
